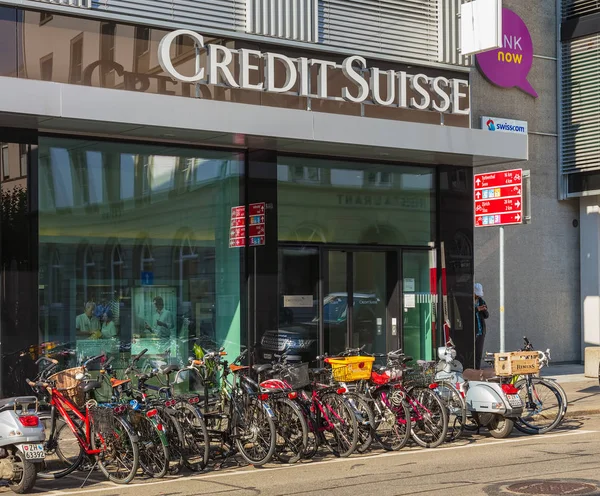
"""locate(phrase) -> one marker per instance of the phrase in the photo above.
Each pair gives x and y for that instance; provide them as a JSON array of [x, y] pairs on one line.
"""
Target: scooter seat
[[8, 403], [478, 374]]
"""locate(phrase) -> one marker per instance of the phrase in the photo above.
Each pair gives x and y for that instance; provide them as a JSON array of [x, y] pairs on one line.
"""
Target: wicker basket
[[67, 383]]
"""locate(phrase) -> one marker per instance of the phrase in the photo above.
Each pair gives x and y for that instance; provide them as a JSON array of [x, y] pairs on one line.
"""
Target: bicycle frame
[[60, 403]]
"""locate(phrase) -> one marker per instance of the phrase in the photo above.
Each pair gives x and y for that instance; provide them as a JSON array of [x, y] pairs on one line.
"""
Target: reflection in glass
[[335, 303], [351, 202], [151, 262]]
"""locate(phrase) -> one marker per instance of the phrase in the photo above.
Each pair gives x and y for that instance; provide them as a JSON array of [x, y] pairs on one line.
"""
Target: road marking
[[233, 473]]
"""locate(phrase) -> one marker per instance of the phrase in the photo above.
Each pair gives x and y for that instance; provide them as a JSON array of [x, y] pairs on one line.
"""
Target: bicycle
[[241, 419], [114, 446], [187, 434], [153, 443], [545, 400]]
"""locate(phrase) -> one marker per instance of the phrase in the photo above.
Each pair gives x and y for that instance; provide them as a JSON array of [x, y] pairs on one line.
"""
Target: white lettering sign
[[433, 93]]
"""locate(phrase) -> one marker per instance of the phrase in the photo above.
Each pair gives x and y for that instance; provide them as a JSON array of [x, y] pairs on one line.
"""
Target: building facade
[[285, 175], [580, 150]]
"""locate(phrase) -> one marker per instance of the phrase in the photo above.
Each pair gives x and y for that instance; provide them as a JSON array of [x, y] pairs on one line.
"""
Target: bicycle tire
[[525, 423], [254, 431], [393, 429], [292, 431], [365, 421], [153, 450], [70, 444], [175, 439], [119, 443], [342, 439], [197, 442], [430, 425], [456, 407]]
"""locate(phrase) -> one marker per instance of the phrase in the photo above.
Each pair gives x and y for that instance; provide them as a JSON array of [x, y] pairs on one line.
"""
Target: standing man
[[163, 323], [481, 313]]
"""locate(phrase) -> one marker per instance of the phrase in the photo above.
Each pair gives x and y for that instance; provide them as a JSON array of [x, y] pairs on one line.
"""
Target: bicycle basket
[[67, 383], [418, 377], [352, 368], [103, 418], [296, 375]]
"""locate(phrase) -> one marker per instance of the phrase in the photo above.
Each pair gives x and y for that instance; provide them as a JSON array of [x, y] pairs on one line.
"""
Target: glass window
[[5, 162], [152, 269], [351, 202], [23, 155], [76, 67], [46, 68]]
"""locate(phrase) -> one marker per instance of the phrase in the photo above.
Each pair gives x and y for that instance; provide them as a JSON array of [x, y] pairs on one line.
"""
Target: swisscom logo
[[498, 124]]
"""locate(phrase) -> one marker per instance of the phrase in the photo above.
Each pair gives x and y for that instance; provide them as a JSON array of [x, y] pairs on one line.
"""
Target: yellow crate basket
[[352, 368]]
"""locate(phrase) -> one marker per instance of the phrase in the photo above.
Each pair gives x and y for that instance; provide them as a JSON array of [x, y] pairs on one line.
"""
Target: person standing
[[481, 314], [163, 323]]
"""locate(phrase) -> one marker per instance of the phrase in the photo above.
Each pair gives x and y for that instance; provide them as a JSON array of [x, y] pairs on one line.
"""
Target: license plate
[[33, 451], [515, 400], [268, 356]]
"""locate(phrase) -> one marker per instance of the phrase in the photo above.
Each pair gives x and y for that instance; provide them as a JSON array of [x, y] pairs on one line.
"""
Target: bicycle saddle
[[318, 371], [261, 368], [237, 368], [168, 369], [88, 386]]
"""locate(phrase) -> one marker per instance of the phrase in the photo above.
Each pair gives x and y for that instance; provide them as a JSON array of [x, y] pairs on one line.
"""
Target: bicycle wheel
[[153, 448], [544, 406], [456, 408], [292, 431], [175, 440], [197, 442], [64, 454], [365, 419], [341, 427], [393, 428], [254, 432], [428, 417], [120, 456]]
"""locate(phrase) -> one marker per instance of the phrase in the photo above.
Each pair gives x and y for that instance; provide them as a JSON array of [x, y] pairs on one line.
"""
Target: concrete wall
[[542, 259]]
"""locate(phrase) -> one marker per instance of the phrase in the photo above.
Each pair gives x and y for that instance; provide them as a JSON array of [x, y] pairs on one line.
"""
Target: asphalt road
[[554, 463]]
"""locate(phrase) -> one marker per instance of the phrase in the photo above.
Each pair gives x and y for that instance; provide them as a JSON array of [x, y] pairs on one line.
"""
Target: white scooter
[[489, 404], [22, 439]]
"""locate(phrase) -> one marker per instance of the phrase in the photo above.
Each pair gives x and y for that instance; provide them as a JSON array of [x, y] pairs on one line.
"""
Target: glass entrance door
[[358, 291]]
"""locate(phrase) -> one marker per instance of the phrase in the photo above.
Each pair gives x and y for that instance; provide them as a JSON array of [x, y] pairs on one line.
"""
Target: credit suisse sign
[[498, 198]]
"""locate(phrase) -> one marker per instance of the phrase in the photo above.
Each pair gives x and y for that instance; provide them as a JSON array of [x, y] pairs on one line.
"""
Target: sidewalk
[[583, 392]]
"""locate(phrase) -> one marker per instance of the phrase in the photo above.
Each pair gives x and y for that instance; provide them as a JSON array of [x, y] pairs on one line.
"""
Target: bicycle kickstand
[[89, 473]]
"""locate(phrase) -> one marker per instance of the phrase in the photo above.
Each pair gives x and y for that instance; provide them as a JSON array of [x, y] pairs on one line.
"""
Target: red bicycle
[[76, 432]]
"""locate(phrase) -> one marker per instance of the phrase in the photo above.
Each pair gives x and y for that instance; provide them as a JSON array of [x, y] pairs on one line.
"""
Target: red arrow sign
[[237, 242], [498, 206], [257, 230], [257, 208], [496, 179], [498, 219], [500, 192], [237, 222], [238, 212]]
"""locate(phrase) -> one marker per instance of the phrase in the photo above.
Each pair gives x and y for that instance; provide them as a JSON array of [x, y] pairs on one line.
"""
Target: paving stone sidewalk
[[583, 393]]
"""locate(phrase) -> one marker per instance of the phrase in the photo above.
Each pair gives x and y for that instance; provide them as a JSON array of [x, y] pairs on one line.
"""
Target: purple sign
[[509, 66]]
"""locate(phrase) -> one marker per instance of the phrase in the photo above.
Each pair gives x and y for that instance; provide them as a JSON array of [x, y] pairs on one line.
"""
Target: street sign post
[[499, 202]]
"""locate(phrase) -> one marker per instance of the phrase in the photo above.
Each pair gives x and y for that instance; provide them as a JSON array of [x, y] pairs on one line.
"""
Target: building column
[[589, 252]]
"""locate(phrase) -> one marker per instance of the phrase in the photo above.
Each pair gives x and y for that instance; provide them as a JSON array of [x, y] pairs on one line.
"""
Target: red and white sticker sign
[[255, 221], [237, 229], [498, 198]]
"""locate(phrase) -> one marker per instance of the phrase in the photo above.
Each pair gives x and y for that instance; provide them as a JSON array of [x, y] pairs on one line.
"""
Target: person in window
[[481, 313], [163, 323], [109, 330], [87, 324]]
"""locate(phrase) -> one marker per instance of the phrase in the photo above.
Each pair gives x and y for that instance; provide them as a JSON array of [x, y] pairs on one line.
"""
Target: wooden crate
[[516, 363]]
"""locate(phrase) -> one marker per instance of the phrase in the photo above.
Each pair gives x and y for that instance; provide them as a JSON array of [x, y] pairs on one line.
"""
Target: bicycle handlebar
[[139, 355], [46, 359], [93, 359], [108, 362]]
